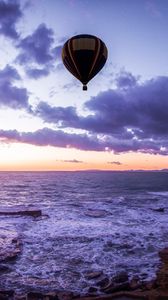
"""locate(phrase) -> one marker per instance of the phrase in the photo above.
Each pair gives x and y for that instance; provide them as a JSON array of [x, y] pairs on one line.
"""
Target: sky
[[47, 122]]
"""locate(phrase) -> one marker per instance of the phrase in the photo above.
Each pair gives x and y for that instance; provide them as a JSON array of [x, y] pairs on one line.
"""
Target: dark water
[[104, 221]]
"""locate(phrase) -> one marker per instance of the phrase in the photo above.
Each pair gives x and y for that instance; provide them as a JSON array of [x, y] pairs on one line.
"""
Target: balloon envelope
[[84, 56]]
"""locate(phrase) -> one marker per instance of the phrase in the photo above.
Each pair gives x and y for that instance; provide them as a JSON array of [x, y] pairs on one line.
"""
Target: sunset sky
[[47, 122]]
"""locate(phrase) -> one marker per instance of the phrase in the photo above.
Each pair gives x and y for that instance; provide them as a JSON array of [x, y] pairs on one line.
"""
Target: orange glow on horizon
[[23, 157]]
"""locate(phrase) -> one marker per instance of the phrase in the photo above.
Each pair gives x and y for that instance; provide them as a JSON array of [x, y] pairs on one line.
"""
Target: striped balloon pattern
[[84, 56]]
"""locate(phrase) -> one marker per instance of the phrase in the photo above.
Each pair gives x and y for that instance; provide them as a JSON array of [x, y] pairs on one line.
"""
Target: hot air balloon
[[84, 56]]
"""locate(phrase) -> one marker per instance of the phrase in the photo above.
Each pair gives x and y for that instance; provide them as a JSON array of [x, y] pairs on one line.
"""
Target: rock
[[164, 255], [110, 244], [103, 283], [8, 293], [34, 296], [121, 277], [109, 285], [149, 285], [4, 268], [20, 297], [51, 296], [92, 289], [160, 209], [97, 213], [117, 287], [10, 245], [93, 275], [162, 274], [65, 295], [144, 275], [32, 213], [3, 297], [135, 283]]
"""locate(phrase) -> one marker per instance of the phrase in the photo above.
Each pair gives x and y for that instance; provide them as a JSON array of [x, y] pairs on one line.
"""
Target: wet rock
[[109, 285], [135, 283], [162, 274], [76, 261], [32, 213], [10, 245], [34, 296], [65, 295], [20, 297], [114, 287], [149, 285], [121, 277], [37, 282], [51, 296], [3, 297], [160, 209], [97, 213], [131, 252], [93, 275], [4, 268], [92, 289], [6, 294], [110, 244], [126, 246], [103, 283], [118, 283]]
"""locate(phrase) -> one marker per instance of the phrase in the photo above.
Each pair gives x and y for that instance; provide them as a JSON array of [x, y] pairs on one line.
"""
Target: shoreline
[[119, 287]]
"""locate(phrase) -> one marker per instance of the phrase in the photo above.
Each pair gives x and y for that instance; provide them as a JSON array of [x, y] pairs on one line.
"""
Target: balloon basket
[[84, 87]]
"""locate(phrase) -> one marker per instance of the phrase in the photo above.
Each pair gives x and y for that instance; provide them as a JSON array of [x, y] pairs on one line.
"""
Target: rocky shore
[[101, 287], [119, 287]]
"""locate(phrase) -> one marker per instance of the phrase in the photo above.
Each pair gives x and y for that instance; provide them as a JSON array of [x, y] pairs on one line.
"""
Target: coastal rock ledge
[[118, 288], [10, 247], [20, 212]]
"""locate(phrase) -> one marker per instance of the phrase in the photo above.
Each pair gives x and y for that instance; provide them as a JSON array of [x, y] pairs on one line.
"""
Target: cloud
[[86, 142], [37, 46], [129, 119], [57, 114], [11, 95], [38, 53], [114, 163], [10, 13], [37, 73], [143, 109], [57, 52], [9, 74], [55, 138], [72, 161], [126, 80]]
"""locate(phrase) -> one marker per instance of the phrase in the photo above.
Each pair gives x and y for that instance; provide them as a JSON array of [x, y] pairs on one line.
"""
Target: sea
[[91, 221]]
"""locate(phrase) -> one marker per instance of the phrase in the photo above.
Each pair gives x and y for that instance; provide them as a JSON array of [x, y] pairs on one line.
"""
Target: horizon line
[[90, 170]]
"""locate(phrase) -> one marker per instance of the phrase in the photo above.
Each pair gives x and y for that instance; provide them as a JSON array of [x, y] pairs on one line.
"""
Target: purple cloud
[[10, 13], [56, 138], [126, 80], [131, 119], [143, 109], [37, 73], [11, 95], [9, 73], [72, 161], [57, 52], [36, 47], [87, 142], [115, 163], [57, 115]]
